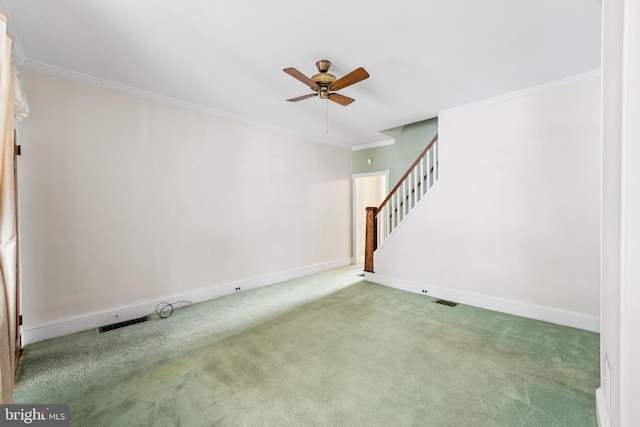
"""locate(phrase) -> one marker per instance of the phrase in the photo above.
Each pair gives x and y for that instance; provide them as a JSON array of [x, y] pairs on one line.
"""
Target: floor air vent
[[119, 325], [445, 302]]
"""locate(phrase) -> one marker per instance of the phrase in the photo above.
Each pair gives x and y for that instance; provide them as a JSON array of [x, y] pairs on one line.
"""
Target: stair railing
[[402, 199]]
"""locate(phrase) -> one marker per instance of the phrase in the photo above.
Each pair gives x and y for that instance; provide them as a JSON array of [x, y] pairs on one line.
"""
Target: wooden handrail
[[406, 174]]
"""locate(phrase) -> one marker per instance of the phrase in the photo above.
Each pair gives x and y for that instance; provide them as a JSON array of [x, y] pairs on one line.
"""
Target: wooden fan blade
[[304, 79], [300, 98], [340, 99], [353, 77]]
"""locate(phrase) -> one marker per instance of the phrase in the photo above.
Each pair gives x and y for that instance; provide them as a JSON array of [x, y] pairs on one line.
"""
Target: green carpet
[[325, 350]]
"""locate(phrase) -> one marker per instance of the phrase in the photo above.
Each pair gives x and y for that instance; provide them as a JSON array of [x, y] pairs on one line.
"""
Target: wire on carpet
[[165, 309]]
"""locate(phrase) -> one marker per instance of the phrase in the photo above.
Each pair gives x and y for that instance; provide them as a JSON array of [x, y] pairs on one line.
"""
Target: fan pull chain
[[326, 103]]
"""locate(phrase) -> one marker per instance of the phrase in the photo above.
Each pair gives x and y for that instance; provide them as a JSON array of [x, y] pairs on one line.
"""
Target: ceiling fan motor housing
[[323, 78]]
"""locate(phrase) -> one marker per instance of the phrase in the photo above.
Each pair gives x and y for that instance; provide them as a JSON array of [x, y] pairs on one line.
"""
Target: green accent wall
[[396, 157]]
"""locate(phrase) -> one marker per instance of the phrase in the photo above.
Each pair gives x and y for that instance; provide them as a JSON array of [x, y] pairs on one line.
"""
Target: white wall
[[618, 397], [515, 215], [124, 200]]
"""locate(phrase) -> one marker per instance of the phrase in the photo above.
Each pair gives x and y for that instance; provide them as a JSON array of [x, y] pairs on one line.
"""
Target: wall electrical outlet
[[237, 289], [424, 291]]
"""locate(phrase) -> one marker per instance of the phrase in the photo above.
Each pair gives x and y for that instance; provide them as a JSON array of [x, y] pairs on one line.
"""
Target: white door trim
[[354, 221]]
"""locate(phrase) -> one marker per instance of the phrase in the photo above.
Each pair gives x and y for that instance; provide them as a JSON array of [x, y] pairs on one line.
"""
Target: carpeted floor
[[325, 350]]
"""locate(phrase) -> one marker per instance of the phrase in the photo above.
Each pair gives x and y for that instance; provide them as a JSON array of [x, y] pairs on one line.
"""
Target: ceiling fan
[[325, 84]]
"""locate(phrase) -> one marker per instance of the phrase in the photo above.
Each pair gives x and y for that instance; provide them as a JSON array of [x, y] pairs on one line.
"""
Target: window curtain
[[12, 105]]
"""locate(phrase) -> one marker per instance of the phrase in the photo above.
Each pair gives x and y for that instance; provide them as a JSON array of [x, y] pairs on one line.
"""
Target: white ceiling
[[424, 56]]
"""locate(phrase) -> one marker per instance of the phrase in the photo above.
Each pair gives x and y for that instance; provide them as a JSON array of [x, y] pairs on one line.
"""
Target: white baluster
[[380, 226], [378, 234], [393, 213], [422, 176], [415, 186], [390, 215], [384, 220], [436, 167], [404, 194], [429, 166], [407, 198], [387, 222]]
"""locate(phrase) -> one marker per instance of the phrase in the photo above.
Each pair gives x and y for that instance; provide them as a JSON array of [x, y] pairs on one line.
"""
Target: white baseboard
[[602, 414], [548, 314], [81, 322]]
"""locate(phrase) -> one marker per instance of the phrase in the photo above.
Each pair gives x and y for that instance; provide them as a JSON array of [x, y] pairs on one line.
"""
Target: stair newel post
[[371, 240]]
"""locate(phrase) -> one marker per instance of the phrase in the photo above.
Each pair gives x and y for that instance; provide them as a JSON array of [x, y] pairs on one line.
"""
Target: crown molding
[[139, 93], [580, 78], [18, 53], [374, 144]]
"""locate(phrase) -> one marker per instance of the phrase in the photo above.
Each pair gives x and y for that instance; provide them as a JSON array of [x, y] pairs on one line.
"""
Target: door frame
[[354, 219], [18, 313]]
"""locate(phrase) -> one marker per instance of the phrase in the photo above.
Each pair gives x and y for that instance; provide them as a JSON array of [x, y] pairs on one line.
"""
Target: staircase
[[403, 198]]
